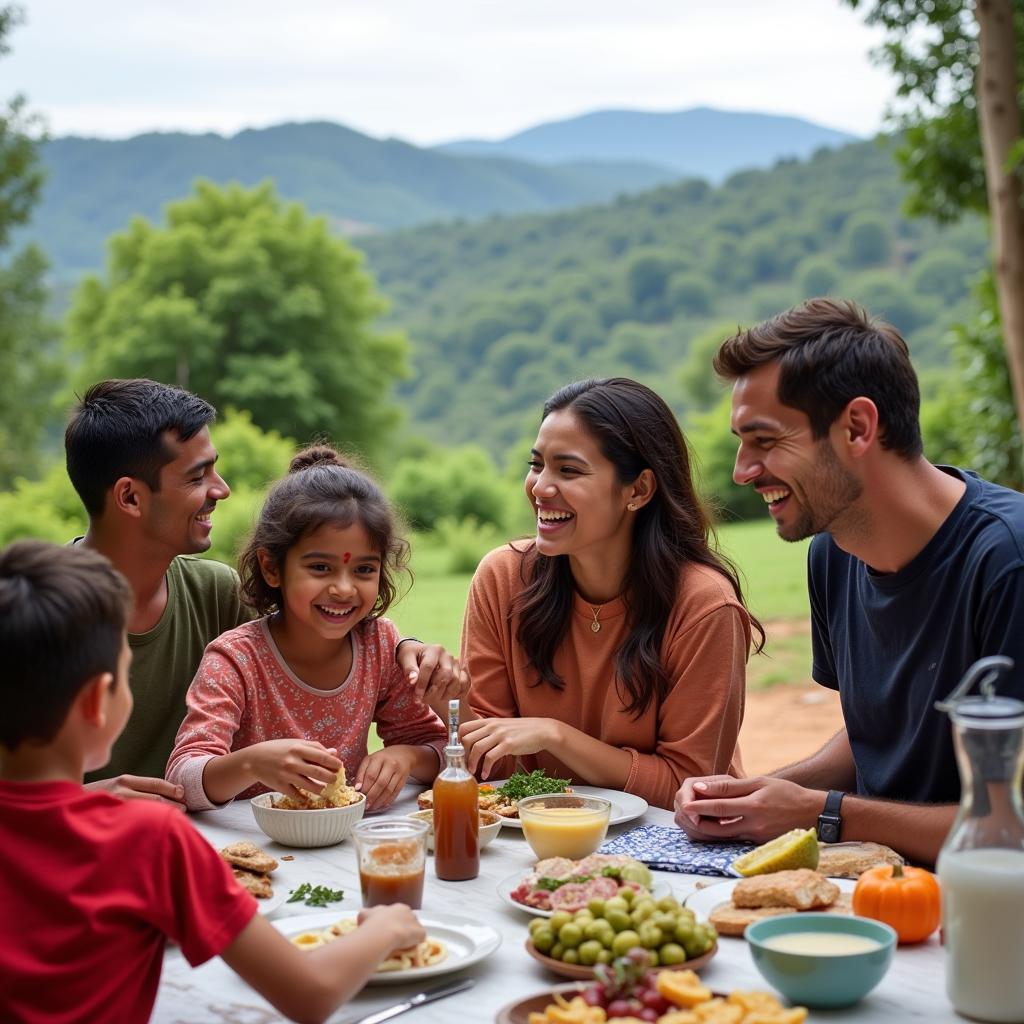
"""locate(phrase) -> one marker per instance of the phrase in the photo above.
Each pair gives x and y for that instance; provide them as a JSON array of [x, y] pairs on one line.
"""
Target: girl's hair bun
[[317, 455]]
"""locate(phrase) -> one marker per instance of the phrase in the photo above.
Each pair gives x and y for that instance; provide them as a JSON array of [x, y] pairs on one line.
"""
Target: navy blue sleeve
[[1000, 627], [823, 666]]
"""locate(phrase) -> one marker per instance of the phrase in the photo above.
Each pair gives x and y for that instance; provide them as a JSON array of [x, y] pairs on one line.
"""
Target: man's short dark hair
[[62, 621], [829, 352], [119, 428]]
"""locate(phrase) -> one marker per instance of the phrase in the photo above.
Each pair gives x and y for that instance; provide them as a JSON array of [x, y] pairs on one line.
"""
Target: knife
[[418, 1000]]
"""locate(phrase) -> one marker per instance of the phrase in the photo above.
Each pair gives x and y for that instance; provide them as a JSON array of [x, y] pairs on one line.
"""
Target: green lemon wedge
[[795, 849]]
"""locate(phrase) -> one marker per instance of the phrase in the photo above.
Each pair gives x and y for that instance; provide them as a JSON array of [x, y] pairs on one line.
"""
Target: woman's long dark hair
[[635, 430]]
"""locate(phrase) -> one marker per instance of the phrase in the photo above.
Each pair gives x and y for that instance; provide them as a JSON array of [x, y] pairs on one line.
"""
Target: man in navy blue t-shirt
[[915, 572]]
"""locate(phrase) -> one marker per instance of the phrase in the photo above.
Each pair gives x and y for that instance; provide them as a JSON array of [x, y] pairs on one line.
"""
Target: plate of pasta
[[452, 943]]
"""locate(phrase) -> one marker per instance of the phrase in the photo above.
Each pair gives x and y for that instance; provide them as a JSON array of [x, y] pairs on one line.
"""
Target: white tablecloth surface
[[913, 989]]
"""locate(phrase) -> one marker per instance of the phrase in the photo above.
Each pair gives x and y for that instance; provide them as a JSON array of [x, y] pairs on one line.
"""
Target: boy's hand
[[288, 765], [435, 675], [382, 775], [397, 918], [139, 787]]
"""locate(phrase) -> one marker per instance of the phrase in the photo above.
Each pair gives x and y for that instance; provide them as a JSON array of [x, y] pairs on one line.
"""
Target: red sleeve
[[195, 899]]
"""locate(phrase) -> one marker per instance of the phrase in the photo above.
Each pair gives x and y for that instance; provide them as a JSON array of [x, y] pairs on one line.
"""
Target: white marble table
[[912, 990]]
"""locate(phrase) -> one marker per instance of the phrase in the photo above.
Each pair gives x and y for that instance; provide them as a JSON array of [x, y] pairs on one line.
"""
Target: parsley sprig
[[523, 784], [314, 895]]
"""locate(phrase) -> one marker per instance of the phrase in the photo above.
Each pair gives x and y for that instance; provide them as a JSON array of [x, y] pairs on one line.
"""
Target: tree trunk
[[1000, 129]]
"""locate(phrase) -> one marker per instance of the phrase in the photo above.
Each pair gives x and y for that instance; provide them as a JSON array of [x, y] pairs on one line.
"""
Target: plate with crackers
[[730, 906], [253, 869]]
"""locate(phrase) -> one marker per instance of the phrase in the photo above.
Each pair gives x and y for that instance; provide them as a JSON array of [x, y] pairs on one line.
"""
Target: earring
[[631, 506]]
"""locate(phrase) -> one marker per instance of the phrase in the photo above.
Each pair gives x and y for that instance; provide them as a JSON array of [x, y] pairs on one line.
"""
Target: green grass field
[[773, 571]]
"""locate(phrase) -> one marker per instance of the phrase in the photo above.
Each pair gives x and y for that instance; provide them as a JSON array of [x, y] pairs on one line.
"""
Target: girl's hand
[[435, 675], [488, 740], [382, 775], [398, 919], [287, 765]]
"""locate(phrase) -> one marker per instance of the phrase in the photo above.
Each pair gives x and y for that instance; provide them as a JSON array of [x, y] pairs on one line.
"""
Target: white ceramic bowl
[[306, 828], [487, 832]]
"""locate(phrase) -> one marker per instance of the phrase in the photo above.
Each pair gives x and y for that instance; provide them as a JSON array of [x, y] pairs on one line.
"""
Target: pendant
[[595, 627]]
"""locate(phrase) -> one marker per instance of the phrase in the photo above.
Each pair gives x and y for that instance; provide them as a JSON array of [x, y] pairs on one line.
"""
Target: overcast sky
[[434, 70]]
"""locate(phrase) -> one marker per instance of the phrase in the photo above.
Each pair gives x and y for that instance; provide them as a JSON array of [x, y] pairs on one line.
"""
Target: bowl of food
[[821, 960], [564, 824], [298, 826], [490, 826]]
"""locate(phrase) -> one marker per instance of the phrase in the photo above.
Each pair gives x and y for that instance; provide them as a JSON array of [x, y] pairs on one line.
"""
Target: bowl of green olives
[[572, 944]]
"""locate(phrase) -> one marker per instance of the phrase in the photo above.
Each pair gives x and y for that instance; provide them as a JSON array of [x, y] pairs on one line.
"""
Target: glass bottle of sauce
[[456, 811], [981, 864]]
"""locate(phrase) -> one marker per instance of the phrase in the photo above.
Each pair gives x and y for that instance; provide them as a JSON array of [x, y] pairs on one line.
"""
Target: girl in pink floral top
[[282, 702]]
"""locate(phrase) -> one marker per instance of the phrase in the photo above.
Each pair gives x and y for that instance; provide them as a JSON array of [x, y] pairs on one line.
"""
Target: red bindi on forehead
[[346, 556]]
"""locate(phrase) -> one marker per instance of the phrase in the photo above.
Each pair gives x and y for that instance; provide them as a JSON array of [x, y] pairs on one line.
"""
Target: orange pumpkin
[[906, 898]]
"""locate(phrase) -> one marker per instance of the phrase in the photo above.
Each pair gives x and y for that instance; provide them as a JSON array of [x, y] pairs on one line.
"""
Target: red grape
[[593, 995], [619, 1008]]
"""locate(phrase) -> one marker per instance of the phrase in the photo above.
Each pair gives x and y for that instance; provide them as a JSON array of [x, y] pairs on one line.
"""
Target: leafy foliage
[[248, 302], [27, 339], [503, 313], [972, 421]]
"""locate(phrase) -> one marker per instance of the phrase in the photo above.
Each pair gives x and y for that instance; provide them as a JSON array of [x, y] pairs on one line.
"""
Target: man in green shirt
[[140, 456]]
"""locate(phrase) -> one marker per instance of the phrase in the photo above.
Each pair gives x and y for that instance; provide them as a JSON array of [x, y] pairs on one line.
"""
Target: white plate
[[280, 895], [625, 806], [508, 885], [703, 901], [467, 940]]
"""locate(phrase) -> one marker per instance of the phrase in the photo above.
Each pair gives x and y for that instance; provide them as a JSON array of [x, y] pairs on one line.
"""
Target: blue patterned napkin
[[669, 849]]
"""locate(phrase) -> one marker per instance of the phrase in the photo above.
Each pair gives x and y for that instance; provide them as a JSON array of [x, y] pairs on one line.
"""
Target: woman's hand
[[436, 676], [287, 765], [382, 775], [488, 740]]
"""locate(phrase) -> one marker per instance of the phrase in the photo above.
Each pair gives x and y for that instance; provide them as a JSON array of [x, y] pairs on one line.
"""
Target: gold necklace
[[595, 626]]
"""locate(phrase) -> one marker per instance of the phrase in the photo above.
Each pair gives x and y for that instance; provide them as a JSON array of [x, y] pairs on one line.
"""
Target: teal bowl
[[821, 978]]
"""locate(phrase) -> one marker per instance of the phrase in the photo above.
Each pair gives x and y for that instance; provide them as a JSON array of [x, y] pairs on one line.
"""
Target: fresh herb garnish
[[315, 895], [551, 884], [535, 783]]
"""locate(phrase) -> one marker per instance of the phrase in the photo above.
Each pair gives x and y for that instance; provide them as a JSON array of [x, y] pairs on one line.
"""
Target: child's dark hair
[[62, 620], [321, 487]]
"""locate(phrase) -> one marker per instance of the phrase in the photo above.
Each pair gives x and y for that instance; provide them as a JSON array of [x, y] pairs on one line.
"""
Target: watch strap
[[830, 821]]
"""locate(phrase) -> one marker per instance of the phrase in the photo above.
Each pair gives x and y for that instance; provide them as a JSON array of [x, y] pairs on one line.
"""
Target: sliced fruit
[[795, 849]]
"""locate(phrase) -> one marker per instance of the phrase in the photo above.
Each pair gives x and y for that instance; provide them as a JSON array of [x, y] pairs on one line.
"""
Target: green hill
[[95, 186], [501, 313]]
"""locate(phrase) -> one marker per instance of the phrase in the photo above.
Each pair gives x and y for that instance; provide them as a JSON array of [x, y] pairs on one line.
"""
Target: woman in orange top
[[611, 648]]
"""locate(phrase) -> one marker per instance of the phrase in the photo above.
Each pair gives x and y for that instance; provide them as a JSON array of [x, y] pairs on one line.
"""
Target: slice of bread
[[851, 860], [730, 920], [797, 890]]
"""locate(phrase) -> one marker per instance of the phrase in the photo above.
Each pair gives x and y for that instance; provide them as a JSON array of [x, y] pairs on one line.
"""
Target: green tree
[[866, 240], [250, 302], [455, 484], [27, 367], [959, 66]]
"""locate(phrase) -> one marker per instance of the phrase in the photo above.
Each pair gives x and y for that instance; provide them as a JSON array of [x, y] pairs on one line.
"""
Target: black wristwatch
[[830, 821]]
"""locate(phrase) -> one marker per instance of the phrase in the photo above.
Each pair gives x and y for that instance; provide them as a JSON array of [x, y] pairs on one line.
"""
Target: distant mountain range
[[700, 143], [364, 184]]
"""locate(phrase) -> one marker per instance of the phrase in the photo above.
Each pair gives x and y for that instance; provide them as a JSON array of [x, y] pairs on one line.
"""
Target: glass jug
[[981, 864]]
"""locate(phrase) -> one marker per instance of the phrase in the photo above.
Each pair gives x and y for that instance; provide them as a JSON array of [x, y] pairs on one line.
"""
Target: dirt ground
[[785, 723]]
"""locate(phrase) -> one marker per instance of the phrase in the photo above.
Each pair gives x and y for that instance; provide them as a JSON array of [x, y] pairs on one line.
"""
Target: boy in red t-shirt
[[92, 886]]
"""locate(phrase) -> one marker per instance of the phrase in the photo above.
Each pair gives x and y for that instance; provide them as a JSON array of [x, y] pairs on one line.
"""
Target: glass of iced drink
[[392, 853]]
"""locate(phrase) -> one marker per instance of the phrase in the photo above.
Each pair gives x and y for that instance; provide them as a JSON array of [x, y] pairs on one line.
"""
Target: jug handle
[[987, 669]]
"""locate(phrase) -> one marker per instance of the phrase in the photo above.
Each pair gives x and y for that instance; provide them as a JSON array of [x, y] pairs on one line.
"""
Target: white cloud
[[432, 70]]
